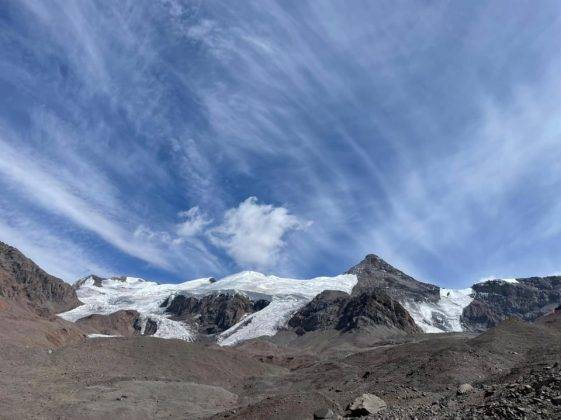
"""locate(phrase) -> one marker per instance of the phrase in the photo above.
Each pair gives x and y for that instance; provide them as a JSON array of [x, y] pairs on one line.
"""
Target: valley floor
[[514, 370]]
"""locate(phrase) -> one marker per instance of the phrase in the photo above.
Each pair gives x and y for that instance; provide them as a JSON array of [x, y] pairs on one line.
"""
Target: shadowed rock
[[98, 281], [213, 313], [22, 281], [341, 311], [497, 300]]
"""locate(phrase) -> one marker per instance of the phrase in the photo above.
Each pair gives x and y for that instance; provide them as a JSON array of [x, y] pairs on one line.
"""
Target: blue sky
[[175, 140]]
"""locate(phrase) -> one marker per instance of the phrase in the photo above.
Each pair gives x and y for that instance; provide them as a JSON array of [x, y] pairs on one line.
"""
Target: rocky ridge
[[373, 273], [496, 300], [215, 313], [343, 312], [21, 280]]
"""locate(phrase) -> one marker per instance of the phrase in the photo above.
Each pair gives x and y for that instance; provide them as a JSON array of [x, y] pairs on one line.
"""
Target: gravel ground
[[514, 370]]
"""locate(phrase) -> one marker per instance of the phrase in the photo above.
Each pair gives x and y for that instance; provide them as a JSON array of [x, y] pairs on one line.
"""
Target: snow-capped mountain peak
[[285, 296]]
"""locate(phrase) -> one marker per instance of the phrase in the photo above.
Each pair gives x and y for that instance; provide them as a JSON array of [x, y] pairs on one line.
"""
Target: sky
[[172, 140]]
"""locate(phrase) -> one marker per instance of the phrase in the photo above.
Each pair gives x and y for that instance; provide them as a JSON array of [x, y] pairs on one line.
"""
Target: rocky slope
[[372, 294], [229, 310], [22, 281], [512, 370], [215, 313], [343, 312], [374, 273], [29, 298], [120, 323], [434, 309], [496, 300]]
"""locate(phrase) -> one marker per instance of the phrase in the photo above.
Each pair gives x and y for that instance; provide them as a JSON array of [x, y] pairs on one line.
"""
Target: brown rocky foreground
[[514, 372]]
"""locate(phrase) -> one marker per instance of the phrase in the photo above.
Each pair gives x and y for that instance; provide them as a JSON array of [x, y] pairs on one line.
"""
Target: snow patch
[[103, 336], [488, 279], [512, 281], [264, 322]]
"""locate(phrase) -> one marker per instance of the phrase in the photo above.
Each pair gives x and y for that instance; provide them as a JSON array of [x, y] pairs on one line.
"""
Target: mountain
[[374, 273], [229, 310], [29, 300], [22, 281], [433, 309], [250, 304], [343, 312], [255, 346], [496, 300], [372, 297]]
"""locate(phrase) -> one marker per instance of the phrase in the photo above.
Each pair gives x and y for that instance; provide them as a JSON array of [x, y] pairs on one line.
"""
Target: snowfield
[[445, 315], [442, 316], [286, 296]]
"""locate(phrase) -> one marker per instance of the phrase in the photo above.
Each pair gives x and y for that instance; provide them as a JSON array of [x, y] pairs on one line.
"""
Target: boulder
[[367, 404], [464, 389], [324, 413]]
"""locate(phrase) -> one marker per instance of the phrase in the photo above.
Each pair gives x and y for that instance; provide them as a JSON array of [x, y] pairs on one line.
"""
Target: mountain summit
[[375, 273]]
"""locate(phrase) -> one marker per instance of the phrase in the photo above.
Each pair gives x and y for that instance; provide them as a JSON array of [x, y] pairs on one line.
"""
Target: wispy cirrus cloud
[[425, 133]]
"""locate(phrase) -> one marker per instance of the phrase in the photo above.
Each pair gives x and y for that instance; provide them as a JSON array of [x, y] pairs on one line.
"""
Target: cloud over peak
[[253, 234]]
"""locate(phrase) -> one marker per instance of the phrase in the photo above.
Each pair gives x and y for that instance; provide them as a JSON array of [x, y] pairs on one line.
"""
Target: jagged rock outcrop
[[125, 323], [22, 281], [97, 281], [213, 314], [496, 300], [375, 309], [374, 273], [344, 312], [321, 313], [151, 327]]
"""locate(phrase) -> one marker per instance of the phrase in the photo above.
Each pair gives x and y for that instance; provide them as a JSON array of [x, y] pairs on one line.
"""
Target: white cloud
[[253, 234], [194, 223]]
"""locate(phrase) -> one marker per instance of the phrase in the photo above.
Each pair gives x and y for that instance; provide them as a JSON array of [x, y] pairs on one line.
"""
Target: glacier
[[285, 294]]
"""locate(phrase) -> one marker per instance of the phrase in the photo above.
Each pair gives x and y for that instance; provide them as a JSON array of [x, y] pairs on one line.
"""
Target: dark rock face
[[373, 273], [21, 280], [151, 327], [321, 313], [496, 300], [341, 311], [373, 309], [213, 313]]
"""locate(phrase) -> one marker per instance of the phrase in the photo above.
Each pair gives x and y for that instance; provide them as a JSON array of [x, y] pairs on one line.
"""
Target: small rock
[[464, 389], [324, 413], [556, 401], [367, 404]]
